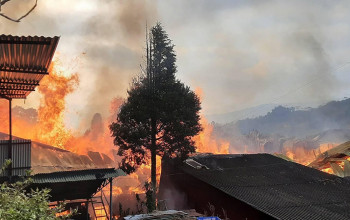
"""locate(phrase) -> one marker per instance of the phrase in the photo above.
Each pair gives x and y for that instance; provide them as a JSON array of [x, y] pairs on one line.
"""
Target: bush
[[18, 203]]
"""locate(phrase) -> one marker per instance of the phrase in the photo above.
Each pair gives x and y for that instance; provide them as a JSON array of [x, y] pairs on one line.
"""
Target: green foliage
[[17, 203], [123, 212], [161, 114], [150, 204], [139, 204]]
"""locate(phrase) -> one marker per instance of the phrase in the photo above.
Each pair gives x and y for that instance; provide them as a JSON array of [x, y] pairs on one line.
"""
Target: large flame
[[54, 89], [205, 141], [49, 127], [302, 155]]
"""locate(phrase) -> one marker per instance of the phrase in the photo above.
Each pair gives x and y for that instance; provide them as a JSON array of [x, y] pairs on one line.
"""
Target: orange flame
[[305, 156], [98, 137], [49, 128], [205, 141]]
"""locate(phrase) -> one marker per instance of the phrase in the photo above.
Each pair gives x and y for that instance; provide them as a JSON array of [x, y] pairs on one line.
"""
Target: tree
[[160, 115]]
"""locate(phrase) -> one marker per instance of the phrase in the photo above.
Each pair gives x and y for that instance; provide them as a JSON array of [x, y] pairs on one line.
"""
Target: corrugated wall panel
[[3, 154], [21, 155]]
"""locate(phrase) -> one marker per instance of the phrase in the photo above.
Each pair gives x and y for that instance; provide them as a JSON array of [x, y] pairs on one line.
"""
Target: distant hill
[[254, 112], [290, 122], [283, 130], [241, 114]]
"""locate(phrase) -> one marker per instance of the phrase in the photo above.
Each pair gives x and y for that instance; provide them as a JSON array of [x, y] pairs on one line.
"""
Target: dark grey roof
[[78, 175], [70, 185], [279, 188]]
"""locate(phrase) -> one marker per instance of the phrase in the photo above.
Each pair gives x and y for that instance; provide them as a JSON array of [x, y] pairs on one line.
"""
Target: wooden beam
[[4, 97], [19, 83], [24, 71], [13, 96], [16, 89], [19, 41]]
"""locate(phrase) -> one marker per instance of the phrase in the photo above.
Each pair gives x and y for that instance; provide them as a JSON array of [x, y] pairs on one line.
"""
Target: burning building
[[24, 62], [334, 161], [253, 186]]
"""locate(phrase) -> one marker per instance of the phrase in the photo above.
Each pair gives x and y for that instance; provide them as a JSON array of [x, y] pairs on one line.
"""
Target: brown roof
[[24, 61]]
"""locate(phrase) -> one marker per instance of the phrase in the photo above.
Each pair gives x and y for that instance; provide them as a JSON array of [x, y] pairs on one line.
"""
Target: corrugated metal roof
[[279, 188], [78, 175], [24, 61], [69, 185]]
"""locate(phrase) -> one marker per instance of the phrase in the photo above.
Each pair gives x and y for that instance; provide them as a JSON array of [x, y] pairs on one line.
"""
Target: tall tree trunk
[[151, 86], [154, 161]]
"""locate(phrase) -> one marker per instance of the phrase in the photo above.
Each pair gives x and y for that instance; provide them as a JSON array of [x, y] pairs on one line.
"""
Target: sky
[[239, 53]]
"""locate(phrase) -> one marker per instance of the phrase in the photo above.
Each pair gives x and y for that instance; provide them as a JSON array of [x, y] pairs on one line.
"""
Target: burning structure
[[334, 161], [24, 61], [253, 186]]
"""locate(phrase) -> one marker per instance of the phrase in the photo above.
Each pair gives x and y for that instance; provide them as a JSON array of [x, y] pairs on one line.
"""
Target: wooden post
[[10, 137], [87, 209], [110, 198]]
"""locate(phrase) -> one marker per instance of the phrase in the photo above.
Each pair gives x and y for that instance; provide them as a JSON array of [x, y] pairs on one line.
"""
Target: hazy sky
[[240, 53]]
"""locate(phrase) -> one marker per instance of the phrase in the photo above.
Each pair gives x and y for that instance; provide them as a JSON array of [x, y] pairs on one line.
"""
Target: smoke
[[109, 34], [262, 50], [320, 84], [114, 49], [246, 54], [133, 16]]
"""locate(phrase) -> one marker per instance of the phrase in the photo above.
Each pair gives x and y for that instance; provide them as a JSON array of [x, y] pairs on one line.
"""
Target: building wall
[[21, 156], [182, 191]]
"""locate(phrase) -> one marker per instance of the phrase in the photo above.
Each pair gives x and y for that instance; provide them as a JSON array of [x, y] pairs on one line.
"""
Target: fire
[[300, 155], [98, 137], [305, 156], [64, 213], [327, 170], [54, 88], [100, 211], [205, 141], [49, 127], [46, 124]]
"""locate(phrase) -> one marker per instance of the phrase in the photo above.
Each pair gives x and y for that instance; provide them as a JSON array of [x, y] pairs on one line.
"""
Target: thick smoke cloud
[[241, 53], [114, 49], [246, 53]]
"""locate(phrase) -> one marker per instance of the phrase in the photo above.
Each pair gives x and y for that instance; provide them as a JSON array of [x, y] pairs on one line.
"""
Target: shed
[[254, 186]]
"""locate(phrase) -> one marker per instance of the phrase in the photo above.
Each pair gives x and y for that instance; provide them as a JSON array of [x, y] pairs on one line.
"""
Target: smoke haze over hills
[[241, 53]]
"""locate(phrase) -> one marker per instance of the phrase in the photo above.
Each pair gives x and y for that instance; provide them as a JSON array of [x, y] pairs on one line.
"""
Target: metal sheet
[[24, 61], [21, 156]]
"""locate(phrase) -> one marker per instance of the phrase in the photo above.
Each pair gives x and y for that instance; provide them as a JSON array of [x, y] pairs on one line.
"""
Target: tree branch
[[3, 2], [161, 127], [23, 16], [157, 139]]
